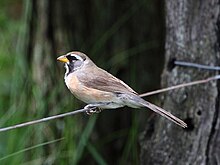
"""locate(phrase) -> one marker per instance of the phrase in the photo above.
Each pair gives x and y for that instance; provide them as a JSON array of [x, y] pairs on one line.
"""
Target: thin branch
[[180, 86], [84, 110], [195, 65], [43, 120]]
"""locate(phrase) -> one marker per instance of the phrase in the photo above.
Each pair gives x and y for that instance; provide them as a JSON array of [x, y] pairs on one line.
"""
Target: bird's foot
[[92, 111], [92, 108]]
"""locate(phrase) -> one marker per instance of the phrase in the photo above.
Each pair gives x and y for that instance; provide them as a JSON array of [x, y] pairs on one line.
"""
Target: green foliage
[[72, 139]]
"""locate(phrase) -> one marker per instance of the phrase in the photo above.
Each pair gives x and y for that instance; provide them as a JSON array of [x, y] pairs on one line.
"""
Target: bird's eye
[[71, 58]]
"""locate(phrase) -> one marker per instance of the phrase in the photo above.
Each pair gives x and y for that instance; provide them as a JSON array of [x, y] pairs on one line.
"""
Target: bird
[[101, 90]]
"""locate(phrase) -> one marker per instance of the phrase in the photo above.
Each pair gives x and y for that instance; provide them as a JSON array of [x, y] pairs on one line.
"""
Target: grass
[[64, 141]]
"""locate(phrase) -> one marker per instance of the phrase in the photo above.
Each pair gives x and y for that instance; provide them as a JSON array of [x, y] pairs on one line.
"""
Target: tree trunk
[[192, 34]]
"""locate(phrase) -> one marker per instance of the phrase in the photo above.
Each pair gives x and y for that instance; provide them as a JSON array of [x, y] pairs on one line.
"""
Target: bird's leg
[[94, 108]]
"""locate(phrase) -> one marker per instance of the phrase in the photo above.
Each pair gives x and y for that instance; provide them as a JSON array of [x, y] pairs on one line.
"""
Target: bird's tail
[[164, 113], [135, 101]]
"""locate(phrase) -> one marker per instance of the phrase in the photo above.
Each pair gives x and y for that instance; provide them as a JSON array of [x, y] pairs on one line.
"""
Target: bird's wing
[[101, 80]]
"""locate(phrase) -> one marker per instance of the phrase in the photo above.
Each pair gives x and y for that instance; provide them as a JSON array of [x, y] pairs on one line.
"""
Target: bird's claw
[[92, 109]]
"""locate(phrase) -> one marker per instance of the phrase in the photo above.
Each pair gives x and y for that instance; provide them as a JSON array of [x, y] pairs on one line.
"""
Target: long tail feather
[[164, 113], [136, 101]]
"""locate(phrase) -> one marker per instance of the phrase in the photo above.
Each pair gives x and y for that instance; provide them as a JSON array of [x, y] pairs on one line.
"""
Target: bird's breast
[[86, 94]]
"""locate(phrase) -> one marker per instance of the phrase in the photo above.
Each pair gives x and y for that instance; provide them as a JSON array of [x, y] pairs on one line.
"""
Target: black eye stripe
[[71, 58]]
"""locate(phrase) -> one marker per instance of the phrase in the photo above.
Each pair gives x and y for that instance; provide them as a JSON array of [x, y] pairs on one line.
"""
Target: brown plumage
[[98, 88]]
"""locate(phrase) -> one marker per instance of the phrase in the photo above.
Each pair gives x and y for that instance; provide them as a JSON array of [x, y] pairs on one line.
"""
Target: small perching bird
[[101, 90]]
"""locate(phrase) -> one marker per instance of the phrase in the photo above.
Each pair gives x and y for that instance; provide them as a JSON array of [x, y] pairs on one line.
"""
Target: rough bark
[[192, 34]]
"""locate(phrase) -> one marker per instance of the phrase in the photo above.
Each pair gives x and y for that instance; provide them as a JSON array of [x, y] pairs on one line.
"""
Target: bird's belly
[[109, 100], [111, 105], [91, 96]]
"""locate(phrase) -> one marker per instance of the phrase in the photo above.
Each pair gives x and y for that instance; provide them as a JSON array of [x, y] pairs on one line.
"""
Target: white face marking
[[74, 64], [77, 56], [67, 70]]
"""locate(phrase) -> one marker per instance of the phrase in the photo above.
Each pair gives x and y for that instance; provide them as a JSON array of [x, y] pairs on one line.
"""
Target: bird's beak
[[62, 59]]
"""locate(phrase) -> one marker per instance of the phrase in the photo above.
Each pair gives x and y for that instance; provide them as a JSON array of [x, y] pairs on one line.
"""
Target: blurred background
[[123, 37]]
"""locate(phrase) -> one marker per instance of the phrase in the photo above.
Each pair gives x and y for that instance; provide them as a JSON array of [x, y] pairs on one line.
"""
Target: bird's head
[[74, 61]]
